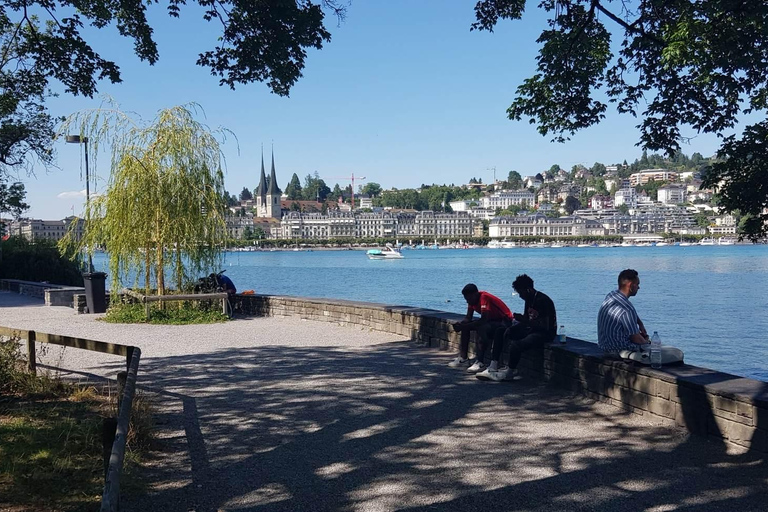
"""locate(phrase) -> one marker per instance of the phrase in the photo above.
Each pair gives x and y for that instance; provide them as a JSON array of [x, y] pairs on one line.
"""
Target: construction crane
[[353, 178]]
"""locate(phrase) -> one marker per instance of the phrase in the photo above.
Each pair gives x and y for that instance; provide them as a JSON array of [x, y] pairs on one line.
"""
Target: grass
[[181, 313], [51, 440]]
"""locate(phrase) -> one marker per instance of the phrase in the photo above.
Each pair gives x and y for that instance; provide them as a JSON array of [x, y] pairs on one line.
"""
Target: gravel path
[[281, 414]]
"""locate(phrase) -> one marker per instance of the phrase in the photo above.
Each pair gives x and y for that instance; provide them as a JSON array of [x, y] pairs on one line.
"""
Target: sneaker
[[458, 362], [476, 367], [486, 374], [505, 373]]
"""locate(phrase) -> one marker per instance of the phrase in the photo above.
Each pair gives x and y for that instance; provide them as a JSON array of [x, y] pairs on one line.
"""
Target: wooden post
[[128, 357], [223, 306], [121, 378], [108, 431], [31, 357], [146, 308]]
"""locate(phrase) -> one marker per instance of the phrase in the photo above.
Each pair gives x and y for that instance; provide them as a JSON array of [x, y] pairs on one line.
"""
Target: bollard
[[108, 431], [121, 378]]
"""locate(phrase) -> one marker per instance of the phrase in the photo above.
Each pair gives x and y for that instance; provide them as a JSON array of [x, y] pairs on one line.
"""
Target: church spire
[[261, 190], [273, 188]]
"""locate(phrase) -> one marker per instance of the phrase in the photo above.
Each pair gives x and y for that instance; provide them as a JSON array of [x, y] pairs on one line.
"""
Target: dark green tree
[[680, 65], [293, 189], [12, 200], [514, 180], [245, 194], [571, 205], [372, 189]]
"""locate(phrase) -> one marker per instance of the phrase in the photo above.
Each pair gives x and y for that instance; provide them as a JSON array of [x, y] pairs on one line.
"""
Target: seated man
[[618, 326], [537, 326], [226, 284], [494, 314]]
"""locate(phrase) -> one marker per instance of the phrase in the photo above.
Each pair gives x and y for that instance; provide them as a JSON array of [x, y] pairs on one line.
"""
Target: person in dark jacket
[[536, 326]]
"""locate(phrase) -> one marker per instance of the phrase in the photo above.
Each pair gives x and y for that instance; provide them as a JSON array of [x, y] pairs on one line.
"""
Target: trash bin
[[95, 294]]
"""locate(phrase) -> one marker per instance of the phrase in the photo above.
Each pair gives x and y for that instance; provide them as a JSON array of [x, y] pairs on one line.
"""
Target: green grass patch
[[51, 439], [172, 313]]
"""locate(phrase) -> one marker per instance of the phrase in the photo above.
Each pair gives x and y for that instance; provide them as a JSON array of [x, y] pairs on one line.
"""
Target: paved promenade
[[274, 414]]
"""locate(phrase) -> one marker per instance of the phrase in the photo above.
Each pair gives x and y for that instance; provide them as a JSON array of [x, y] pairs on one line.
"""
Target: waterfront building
[[385, 224], [643, 177], [541, 225], [53, 230]]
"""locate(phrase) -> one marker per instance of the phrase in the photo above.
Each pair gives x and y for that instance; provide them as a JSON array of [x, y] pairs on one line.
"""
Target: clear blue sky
[[404, 94]]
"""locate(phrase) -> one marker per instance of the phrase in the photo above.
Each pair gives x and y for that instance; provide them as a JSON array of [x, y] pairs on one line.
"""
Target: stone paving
[[279, 414]]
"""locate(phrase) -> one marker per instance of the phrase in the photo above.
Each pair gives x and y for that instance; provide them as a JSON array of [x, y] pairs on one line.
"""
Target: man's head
[[629, 282], [471, 294], [523, 285]]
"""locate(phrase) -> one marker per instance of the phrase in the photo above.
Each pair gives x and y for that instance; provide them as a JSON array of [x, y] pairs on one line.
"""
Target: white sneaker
[[486, 374], [458, 362], [476, 367], [505, 373]]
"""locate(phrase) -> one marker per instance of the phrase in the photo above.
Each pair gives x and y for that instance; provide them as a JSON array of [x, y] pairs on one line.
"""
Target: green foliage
[[514, 180], [163, 211], [173, 313], [651, 188], [11, 199], [315, 188], [293, 189], [38, 261], [245, 194], [571, 204], [372, 189]]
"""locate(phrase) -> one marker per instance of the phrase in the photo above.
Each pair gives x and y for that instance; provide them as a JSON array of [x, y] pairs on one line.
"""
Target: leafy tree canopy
[[293, 189], [245, 194]]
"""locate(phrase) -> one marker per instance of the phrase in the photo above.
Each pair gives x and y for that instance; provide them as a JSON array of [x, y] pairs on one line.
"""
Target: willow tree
[[163, 211]]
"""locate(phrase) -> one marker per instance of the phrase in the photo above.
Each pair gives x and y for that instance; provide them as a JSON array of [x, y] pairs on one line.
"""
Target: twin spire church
[[268, 197]]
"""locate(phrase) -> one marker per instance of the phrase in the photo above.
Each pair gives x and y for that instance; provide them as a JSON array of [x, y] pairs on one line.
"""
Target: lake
[[709, 301]]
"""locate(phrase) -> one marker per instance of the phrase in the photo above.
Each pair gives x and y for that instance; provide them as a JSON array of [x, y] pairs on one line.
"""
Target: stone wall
[[54, 294], [730, 409]]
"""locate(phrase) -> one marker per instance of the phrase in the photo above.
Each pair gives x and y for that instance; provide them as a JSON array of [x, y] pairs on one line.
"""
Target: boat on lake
[[387, 253]]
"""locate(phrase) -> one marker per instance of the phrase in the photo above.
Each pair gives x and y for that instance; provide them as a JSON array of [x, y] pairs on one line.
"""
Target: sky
[[404, 94]]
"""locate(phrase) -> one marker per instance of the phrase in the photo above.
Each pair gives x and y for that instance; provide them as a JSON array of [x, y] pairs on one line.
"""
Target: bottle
[[561, 335], [655, 350]]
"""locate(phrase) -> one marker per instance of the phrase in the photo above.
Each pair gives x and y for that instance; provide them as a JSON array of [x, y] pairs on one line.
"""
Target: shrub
[[38, 260]]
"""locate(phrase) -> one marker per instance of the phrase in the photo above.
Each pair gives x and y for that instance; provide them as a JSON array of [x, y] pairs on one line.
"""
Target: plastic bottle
[[655, 350], [561, 335]]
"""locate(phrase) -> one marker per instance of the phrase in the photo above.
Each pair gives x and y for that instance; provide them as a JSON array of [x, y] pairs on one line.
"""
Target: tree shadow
[[389, 427]]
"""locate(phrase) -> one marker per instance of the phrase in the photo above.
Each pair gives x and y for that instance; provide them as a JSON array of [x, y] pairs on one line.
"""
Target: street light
[[76, 139]]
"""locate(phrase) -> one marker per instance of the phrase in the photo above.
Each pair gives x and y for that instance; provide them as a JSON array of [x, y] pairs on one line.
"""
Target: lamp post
[[76, 139]]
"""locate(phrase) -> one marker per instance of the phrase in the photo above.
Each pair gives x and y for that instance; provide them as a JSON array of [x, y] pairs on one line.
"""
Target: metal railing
[[111, 496]]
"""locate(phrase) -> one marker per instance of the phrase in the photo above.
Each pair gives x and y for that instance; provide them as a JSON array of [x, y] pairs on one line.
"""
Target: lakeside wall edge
[[723, 407]]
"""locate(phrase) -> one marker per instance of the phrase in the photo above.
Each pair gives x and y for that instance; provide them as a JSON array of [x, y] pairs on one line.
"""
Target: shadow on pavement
[[389, 427]]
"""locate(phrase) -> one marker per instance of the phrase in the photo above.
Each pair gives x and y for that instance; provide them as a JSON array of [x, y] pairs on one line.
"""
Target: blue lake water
[[709, 301]]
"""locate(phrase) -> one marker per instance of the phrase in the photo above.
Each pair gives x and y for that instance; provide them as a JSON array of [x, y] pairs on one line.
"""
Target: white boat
[[662, 244], [725, 241], [556, 246], [707, 241], [494, 244], [505, 244], [584, 245], [685, 244], [387, 253]]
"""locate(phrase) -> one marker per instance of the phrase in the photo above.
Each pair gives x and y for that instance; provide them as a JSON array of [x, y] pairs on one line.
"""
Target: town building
[[672, 194], [627, 196], [268, 196], [506, 199], [643, 177], [541, 225], [53, 230], [385, 224]]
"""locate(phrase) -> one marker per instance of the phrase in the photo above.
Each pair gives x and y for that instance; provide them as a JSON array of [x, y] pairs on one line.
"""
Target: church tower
[[261, 191], [272, 197]]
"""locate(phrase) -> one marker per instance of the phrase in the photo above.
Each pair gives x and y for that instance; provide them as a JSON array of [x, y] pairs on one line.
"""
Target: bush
[[171, 313], [37, 261]]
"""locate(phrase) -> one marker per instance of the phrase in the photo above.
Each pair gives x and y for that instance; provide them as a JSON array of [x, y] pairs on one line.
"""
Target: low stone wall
[[730, 409], [54, 294], [79, 303]]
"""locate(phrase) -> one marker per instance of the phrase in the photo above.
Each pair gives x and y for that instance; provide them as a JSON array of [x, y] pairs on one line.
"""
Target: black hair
[[470, 288], [627, 275], [523, 282]]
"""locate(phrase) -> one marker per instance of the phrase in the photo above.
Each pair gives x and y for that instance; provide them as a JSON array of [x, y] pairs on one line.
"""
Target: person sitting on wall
[[536, 326], [618, 326], [494, 314]]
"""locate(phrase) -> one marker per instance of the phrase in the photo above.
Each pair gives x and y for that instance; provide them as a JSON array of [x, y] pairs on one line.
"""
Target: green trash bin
[[95, 291]]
